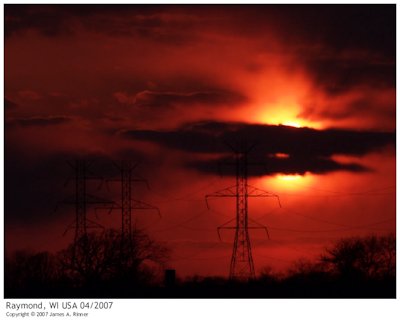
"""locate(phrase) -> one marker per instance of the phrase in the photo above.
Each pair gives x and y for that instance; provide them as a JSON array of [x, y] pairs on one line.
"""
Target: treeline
[[98, 267], [357, 267]]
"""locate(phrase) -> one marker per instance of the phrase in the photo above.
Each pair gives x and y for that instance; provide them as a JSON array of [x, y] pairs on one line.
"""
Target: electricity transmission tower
[[82, 200], [127, 204], [242, 265]]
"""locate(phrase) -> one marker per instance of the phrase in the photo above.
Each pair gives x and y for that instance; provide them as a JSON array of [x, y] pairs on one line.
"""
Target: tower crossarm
[[89, 224], [138, 178], [226, 192], [93, 224], [224, 226], [87, 173], [126, 165], [137, 204], [134, 178], [90, 199], [256, 192], [256, 225]]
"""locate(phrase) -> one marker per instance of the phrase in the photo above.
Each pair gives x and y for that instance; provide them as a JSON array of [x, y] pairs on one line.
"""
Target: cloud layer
[[173, 86], [282, 149]]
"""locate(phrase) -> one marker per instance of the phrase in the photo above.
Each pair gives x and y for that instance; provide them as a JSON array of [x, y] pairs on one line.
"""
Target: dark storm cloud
[[340, 46], [182, 139], [270, 165], [335, 75], [200, 136], [305, 149], [48, 20], [150, 22], [357, 45], [368, 27], [38, 121], [165, 100], [158, 24]]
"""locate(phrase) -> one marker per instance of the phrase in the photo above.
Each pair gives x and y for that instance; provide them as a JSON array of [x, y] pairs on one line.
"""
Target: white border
[[220, 309]]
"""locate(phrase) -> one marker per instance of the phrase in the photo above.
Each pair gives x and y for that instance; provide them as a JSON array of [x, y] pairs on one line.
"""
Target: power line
[[303, 252], [201, 259], [186, 195], [206, 249], [334, 193], [177, 225], [335, 230], [274, 258], [343, 195], [297, 213]]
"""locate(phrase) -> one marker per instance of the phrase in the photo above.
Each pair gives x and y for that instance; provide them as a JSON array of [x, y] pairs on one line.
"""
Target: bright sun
[[287, 182], [291, 177], [287, 115], [292, 123]]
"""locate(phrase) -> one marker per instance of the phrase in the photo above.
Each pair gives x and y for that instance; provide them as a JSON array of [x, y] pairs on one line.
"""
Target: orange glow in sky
[[92, 84], [287, 182], [292, 123], [291, 182], [295, 177], [285, 114]]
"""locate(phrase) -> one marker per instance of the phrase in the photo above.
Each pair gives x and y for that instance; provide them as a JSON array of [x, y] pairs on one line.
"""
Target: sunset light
[[288, 183], [292, 124], [152, 128], [295, 177], [292, 182], [287, 115]]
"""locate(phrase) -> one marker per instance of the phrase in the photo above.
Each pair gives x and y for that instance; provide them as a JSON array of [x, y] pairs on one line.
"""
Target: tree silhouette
[[26, 270], [367, 257], [102, 257], [103, 266]]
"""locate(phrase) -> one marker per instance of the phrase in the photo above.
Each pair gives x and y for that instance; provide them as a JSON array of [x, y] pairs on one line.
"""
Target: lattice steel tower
[[126, 200], [127, 204], [81, 200], [242, 265]]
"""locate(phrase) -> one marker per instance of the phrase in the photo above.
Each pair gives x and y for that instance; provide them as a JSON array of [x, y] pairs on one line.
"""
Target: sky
[[171, 87]]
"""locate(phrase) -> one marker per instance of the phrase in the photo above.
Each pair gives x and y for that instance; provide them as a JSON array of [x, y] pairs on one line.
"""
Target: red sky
[[166, 85]]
